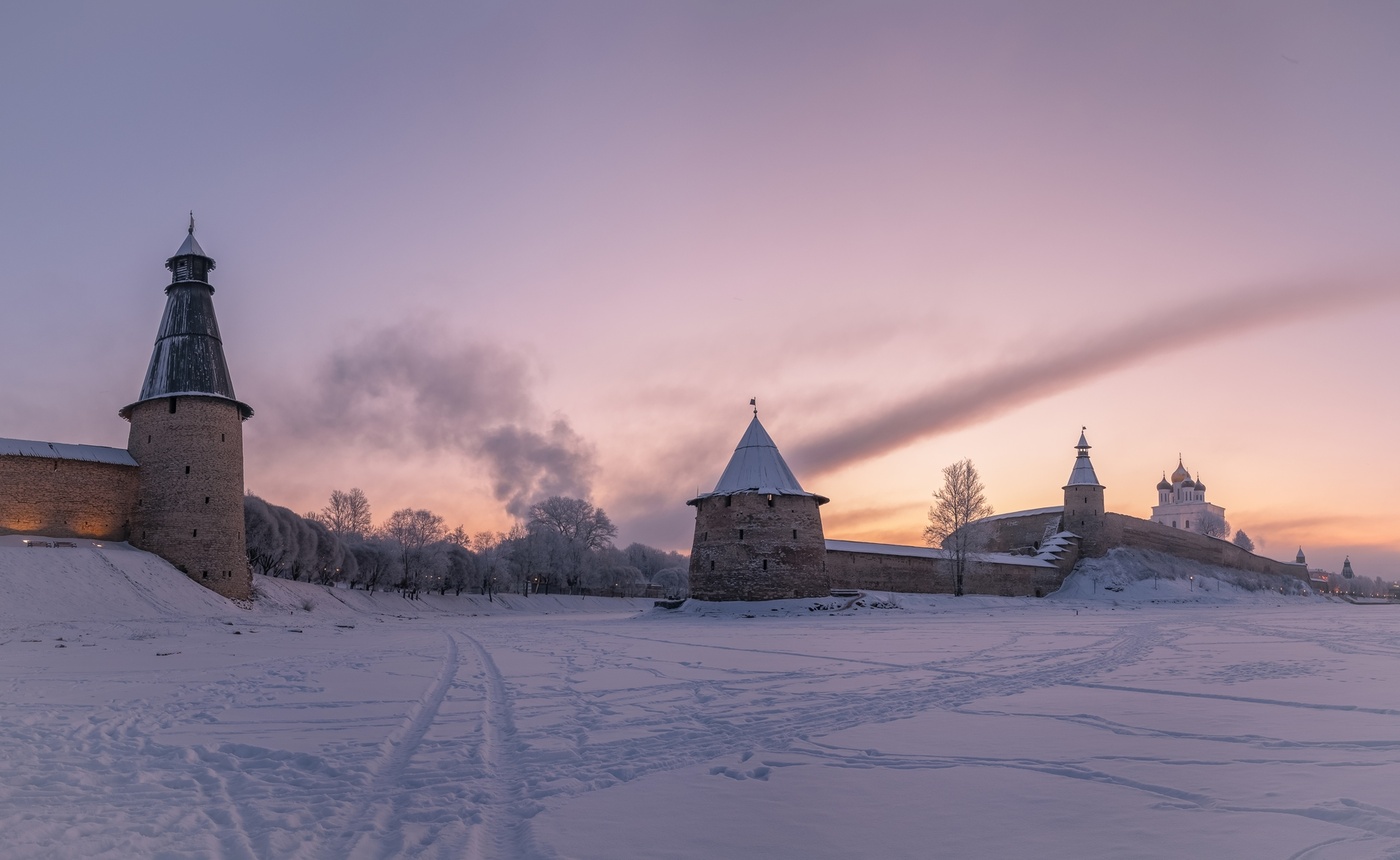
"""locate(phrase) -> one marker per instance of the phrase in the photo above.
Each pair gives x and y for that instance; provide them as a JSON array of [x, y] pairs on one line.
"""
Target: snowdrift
[[97, 581]]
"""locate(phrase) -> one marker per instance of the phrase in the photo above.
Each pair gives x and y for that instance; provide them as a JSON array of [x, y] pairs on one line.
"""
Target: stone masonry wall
[[924, 575], [189, 505], [1123, 530], [66, 498], [751, 546], [1008, 533]]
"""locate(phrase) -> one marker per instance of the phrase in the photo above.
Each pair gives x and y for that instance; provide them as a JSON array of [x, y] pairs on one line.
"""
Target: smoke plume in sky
[[411, 387], [982, 395]]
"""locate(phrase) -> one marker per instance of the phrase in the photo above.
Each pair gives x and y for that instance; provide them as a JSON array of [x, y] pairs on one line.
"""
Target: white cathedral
[[1181, 504]]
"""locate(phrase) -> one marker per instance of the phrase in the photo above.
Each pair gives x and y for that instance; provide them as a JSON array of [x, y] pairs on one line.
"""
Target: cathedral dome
[[1164, 484], [1189, 483], [1200, 485], [1180, 474]]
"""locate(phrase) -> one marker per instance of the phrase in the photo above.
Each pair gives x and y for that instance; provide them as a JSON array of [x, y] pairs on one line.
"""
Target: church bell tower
[[187, 438]]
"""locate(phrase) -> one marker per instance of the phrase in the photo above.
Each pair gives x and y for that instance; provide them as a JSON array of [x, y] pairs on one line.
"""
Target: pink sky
[[586, 234]]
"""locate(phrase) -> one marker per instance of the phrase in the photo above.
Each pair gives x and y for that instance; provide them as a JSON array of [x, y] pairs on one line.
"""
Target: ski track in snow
[[449, 738]]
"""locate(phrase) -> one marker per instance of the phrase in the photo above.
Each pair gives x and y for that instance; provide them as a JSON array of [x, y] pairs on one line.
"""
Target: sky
[[470, 254]]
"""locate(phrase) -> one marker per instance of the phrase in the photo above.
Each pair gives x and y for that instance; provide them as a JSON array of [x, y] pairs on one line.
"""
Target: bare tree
[[583, 527], [960, 501], [347, 515], [1243, 541], [414, 533], [1213, 525]]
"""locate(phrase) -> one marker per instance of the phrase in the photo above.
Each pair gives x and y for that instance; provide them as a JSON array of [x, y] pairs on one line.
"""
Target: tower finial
[[753, 401], [191, 222]]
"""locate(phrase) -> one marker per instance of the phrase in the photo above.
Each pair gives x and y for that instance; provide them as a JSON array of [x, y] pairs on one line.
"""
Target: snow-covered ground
[[144, 717]]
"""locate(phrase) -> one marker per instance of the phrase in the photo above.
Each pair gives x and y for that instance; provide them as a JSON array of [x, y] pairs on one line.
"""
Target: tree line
[[565, 545]]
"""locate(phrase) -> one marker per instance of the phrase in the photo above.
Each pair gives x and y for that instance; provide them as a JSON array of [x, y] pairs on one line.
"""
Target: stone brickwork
[[915, 575], [1084, 515], [1120, 530], [189, 504], [1014, 533], [66, 498], [753, 546], [1123, 530]]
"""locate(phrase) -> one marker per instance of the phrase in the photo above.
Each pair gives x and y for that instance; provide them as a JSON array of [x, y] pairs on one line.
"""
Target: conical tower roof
[[1082, 475], [758, 467], [188, 358]]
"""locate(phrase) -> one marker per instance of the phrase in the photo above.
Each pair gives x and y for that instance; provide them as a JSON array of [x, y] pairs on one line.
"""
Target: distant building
[[1181, 503], [758, 536]]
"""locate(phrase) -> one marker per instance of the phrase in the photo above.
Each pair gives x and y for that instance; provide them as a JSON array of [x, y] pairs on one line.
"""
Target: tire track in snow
[[504, 832], [373, 818]]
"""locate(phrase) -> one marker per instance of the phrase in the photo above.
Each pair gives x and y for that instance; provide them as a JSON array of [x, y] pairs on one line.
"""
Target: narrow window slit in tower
[[187, 470], [794, 534], [770, 500], [206, 500], [765, 564], [741, 534], [195, 533], [172, 406]]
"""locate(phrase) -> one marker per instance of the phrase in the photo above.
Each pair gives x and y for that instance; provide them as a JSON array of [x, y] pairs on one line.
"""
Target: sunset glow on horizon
[[470, 253]]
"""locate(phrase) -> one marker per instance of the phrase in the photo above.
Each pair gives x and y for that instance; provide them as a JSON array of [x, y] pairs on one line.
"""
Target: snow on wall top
[[1028, 513], [758, 467], [931, 552], [63, 451]]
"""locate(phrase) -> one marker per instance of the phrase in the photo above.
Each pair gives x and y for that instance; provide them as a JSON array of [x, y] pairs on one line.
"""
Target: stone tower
[[187, 438], [758, 535], [1084, 508]]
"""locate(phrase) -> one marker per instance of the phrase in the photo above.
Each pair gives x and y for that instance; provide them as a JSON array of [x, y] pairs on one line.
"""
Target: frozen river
[[973, 728]]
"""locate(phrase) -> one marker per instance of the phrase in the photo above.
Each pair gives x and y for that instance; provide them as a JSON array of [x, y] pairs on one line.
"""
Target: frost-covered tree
[[1213, 525], [581, 526], [347, 514], [1243, 541], [959, 502], [416, 533], [376, 562]]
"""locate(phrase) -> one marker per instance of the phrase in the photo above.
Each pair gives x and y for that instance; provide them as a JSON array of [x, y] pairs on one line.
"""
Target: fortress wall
[[1008, 533], [66, 498], [922, 575], [1122, 530]]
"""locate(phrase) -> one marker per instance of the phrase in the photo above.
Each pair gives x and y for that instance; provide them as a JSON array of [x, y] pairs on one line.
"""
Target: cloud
[[983, 395], [411, 387]]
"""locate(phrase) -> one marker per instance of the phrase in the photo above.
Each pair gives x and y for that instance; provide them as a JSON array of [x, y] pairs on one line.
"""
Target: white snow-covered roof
[[63, 451], [758, 467], [931, 552]]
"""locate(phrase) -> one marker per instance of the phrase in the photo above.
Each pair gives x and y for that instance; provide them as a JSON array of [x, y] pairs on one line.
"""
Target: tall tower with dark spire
[[758, 535], [1084, 504], [187, 438]]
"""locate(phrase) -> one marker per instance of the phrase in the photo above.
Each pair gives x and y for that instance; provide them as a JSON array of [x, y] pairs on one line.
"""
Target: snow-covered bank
[[83, 580], [1143, 576], [175, 724]]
